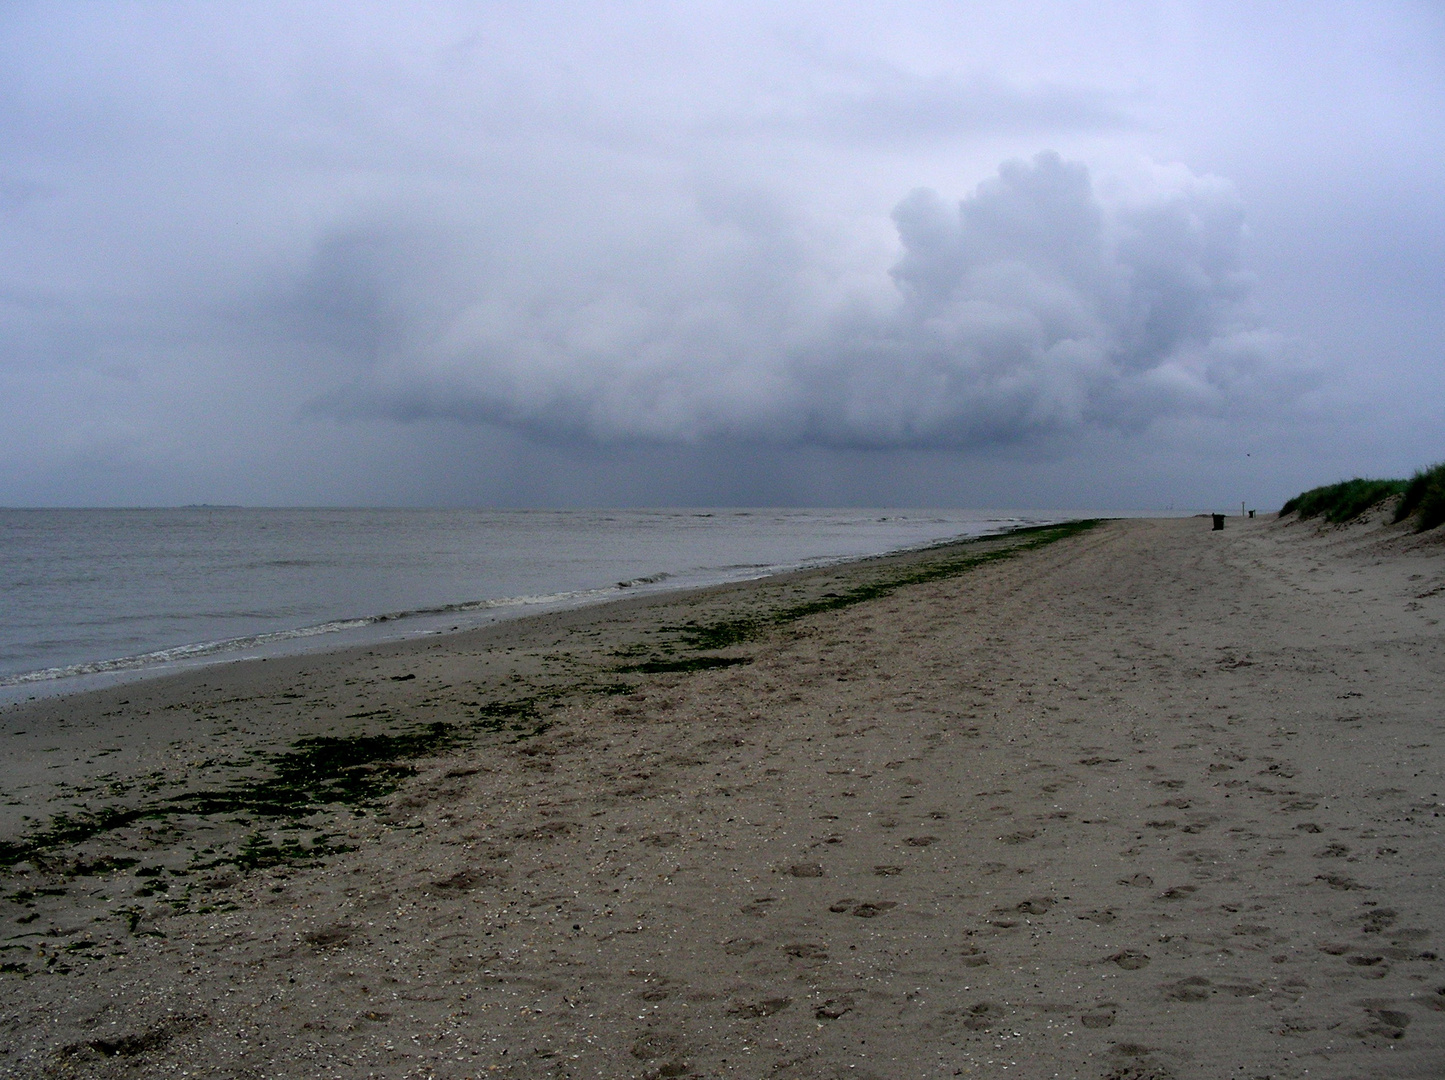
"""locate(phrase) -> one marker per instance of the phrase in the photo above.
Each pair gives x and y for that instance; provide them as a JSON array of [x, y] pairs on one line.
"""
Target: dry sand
[[1149, 801]]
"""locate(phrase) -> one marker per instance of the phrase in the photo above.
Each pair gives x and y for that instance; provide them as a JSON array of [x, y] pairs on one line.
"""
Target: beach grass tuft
[[1424, 497]]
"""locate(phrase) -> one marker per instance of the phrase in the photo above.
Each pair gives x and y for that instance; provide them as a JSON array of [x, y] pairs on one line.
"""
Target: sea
[[93, 597]]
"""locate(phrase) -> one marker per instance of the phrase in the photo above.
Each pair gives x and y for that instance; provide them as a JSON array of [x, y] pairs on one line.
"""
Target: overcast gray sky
[[1122, 255]]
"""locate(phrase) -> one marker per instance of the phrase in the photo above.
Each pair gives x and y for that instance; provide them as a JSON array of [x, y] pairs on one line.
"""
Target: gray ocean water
[[84, 593]]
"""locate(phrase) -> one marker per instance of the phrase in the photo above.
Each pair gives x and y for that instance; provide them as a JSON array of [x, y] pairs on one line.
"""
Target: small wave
[[205, 649], [180, 652], [650, 579]]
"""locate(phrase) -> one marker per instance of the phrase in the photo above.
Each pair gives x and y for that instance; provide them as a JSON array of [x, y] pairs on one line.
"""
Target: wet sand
[[1146, 801]]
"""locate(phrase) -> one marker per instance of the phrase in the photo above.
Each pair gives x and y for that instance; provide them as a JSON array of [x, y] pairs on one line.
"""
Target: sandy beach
[[1131, 802]]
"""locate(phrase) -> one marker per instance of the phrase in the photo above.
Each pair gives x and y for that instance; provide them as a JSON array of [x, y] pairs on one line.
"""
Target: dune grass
[[1422, 497], [1344, 501]]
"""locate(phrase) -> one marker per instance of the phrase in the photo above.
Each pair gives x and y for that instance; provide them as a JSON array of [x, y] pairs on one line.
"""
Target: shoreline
[[359, 631], [123, 712], [1077, 810]]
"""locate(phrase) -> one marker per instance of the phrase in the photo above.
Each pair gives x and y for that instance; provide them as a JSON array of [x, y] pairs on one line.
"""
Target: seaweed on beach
[[691, 663], [721, 634], [321, 770], [522, 717], [355, 771], [259, 852], [736, 631]]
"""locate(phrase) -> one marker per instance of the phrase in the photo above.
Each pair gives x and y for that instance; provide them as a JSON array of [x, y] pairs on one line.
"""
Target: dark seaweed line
[[691, 663], [728, 632]]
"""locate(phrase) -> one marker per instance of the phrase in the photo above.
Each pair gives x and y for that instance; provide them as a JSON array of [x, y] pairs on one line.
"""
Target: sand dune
[[1147, 801]]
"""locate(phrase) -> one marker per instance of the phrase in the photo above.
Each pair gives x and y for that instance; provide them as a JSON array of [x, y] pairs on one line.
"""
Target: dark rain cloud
[[1031, 307]]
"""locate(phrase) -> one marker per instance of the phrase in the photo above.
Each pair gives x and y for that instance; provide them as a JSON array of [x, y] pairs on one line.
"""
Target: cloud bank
[[1040, 304], [512, 253]]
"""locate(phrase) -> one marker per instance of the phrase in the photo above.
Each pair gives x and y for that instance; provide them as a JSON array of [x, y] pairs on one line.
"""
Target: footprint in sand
[[805, 870], [655, 1045], [973, 957], [870, 911], [1387, 1023], [756, 1010], [1138, 1064], [1129, 959], [1195, 988], [834, 1008], [1378, 920], [1036, 905], [982, 1016], [1179, 892], [463, 880], [329, 937], [806, 950], [549, 831]]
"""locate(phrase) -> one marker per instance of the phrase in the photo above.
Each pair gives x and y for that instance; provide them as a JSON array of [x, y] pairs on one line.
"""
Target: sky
[[1009, 255]]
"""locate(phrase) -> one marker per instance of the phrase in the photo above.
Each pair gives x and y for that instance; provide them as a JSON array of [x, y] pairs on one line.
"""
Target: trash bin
[[1218, 521]]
